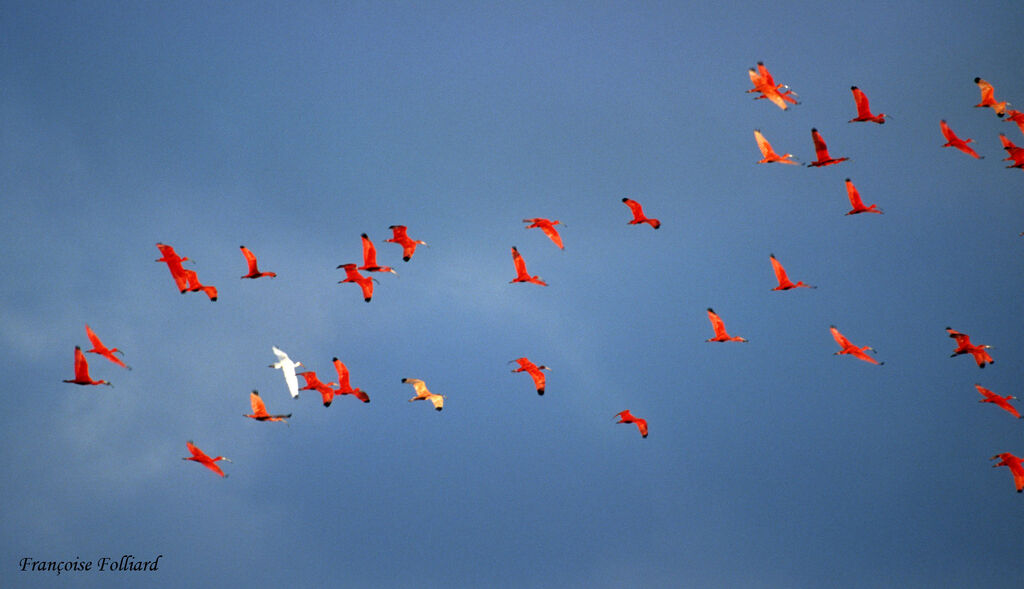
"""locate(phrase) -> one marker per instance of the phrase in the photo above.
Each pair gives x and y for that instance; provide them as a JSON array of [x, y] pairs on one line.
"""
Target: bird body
[[254, 271], [857, 203], [173, 261], [719, 326], [525, 365], [764, 84], [201, 457], [964, 346], [82, 371], [988, 98], [259, 410], [423, 394], [638, 214], [193, 285], [548, 227], [521, 274], [768, 155], [1016, 153], [313, 383], [998, 400], [365, 282], [847, 347], [401, 237], [102, 350], [821, 152], [864, 109], [784, 282], [344, 387], [1016, 468], [627, 417], [287, 366], [953, 141], [370, 258]]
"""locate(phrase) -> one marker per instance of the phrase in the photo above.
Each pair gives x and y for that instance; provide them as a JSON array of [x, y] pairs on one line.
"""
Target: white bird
[[423, 394], [288, 367]]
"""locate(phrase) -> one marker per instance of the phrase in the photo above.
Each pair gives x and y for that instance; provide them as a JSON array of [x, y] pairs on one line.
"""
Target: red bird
[[988, 98], [784, 282], [99, 348], [1016, 153], [370, 258], [173, 261], [344, 387], [627, 417], [849, 348], [82, 371], [821, 151], [402, 238], [534, 371], [953, 141], [352, 275], [250, 259], [313, 383], [857, 203], [521, 274], [1016, 467], [964, 346], [548, 227], [259, 410], [764, 83], [864, 110], [195, 286], [719, 326], [998, 400], [638, 214], [200, 457], [1015, 116], [768, 154]]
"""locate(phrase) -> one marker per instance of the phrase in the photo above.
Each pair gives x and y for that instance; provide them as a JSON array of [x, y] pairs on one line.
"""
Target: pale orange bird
[[370, 258], [102, 350], [250, 259], [821, 151], [173, 261], [201, 457], [964, 346], [548, 227], [259, 410], [627, 417], [422, 394], [1016, 153], [784, 282], [864, 109], [401, 237], [638, 214], [953, 141], [1016, 467], [195, 286], [344, 387], [857, 203], [764, 83], [82, 371], [988, 98], [998, 400], [719, 326], [521, 274], [365, 282], [848, 347], [534, 371], [768, 154], [313, 383]]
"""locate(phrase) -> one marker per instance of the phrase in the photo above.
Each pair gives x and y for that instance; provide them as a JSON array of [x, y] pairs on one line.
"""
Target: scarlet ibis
[[365, 282], [423, 394], [250, 259], [201, 457], [784, 282], [821, 151], [1015, 116], [988, 98], [998, 400], [195, 286], [525, 365], [521, 274], [287, 366], [627, 417], [99, 348], [370, 258], [764, 83], [548, 227], [719, 326], [638, 214], [344, 387], [864, 109], [856, 202], [401, 237], [953, 141], [82, 371], [259, 410], [768, 154], [173, 261], [1016, 153], [852, 350], [1016, 467], [313, 383], [964, 346]]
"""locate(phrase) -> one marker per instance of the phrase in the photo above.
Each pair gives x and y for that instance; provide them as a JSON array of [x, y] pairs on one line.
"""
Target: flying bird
[[287, 366], [259, 410], [365, 282], [821, 151], [864, 110], [1015, 116], [521, 274], [422, 394], [1016, 153], [82, 371], [638, 214], [195, 286], [370, 258], [1016, 467], [250, 259], [988, 98], [764, 84], [998, 400], [534, 371], [173, 261], [719, 326], [548, 227], [768, 154], [627, 417], [847, 347], [857, 203], [102, 350], [964, 346], [344, 387], [313, 383], [401, 237], [201, 457], [784, 282], [953, 141]]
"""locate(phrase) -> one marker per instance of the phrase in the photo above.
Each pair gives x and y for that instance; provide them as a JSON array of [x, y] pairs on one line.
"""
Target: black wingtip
[[404, 379], [405, 258], [624, 199], [327, 403], [976, 80], [440, 408], [540, 391], [853, 87], [364, 235], [814, 130]]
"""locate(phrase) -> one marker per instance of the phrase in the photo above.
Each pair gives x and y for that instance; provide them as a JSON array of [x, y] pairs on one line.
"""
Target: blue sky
[[293, 130]]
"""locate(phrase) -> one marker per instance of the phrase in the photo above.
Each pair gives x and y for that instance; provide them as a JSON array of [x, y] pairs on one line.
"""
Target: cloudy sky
[[294, 129]]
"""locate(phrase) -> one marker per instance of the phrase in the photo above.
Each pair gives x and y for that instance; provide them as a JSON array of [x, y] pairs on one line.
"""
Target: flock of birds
[[764, 86]]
